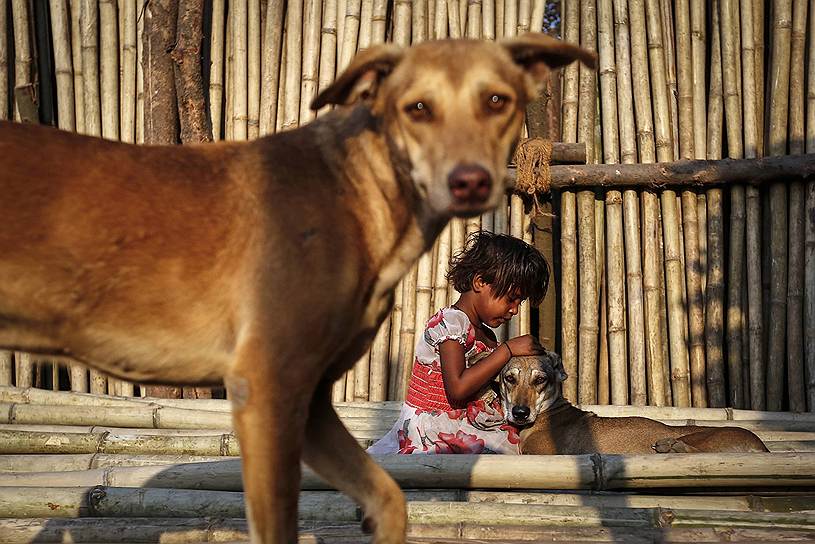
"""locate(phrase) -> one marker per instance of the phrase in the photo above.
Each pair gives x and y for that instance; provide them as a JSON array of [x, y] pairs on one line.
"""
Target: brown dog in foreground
[[269, 264], [532, 398]]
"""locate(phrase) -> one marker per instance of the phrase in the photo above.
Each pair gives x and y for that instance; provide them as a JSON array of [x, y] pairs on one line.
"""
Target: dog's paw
[[671, 445]]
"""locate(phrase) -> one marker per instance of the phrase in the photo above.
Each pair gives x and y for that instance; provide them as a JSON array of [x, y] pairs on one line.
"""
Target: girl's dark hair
[[504, 262]]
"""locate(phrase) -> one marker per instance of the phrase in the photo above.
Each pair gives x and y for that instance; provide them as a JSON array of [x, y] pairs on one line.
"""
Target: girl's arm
[[461, 383]]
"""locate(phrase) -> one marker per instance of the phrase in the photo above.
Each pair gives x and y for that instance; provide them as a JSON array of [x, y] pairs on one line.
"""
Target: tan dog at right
[[532, 398]]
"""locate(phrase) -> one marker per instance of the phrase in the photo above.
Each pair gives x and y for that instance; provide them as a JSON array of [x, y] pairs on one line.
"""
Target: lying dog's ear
[[539, 53], [557, 362], [360, 81]]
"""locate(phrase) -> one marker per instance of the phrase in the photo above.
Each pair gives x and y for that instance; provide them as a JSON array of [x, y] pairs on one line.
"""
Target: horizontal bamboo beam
[[189, 530], [425, 507], [14, 395], [598, 472], [696, 173], [105, 501]]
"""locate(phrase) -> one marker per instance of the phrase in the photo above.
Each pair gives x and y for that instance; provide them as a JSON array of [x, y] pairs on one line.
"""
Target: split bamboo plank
[[253, 68]]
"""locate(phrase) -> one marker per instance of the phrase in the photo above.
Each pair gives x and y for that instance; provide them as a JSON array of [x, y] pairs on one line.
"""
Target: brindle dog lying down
[[532, 398]]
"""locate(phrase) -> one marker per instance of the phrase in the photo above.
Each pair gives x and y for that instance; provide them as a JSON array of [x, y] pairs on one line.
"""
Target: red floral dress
[[428, 422]]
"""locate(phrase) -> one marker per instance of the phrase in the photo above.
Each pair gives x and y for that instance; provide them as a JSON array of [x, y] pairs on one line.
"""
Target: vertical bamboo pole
[[589, 296], [424, 290], [755, 350], [488, 22], [714, 289], [394, 348], [701, 214], [88, 22], [23, 369], [615, 294], [229, 76], [633, 267], [809, 251], [139, 86], [418, 22], [253, 68], [645, 138], [109, 68], [366, 13], [698, 47], [342, 9], [5, 356], [796, 394], [379, 21], [779, 101], [538, 15], [454, 19], [758, 42], [328, 45], [378, 385], [603, 369], [524, 13], [271, 69], [516, 212], [733, 121], [311, 58], [60, 31], [350, 33], [216, 73], [568, 212], [402, 18], [407, 333], [688, 126], [23, 58], [294, 39], [240, 57], [76, 61], [669, 57], [127, 130], [442, 260]]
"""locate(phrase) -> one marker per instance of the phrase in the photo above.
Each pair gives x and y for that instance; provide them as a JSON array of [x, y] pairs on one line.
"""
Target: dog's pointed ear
[[557, 362], [360, 81], [538, 53]]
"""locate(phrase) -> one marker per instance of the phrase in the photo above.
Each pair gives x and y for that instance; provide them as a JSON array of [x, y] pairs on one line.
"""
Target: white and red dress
[[428, 422]]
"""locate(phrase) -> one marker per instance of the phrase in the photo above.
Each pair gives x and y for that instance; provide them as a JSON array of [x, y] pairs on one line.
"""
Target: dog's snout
[[520, 413], [470, 184]]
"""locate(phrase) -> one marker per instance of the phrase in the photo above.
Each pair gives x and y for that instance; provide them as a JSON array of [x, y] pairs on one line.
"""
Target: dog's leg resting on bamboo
[[269, 417], [337, 457]]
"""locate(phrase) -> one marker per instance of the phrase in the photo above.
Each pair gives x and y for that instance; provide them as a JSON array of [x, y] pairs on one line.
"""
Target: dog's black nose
[[520, 413], [470, 184]]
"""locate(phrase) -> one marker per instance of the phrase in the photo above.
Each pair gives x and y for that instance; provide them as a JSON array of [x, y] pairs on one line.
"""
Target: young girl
[[458, 356]]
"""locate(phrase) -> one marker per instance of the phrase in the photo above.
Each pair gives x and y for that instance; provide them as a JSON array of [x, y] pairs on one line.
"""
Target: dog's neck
[[355, 146]]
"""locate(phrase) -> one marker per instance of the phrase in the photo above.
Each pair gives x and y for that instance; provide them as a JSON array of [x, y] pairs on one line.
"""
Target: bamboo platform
[[91, 468]]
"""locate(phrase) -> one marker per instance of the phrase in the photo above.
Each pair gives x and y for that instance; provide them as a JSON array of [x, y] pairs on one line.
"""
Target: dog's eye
[[497, 103], [540, 380], [419, 111], [510, 379]]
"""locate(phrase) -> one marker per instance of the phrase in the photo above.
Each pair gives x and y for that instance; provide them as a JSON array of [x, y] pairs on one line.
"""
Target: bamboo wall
[[689, 298]]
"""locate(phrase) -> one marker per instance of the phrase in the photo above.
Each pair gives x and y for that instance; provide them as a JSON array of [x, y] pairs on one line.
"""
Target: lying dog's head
[[530, 385], [453, 109]]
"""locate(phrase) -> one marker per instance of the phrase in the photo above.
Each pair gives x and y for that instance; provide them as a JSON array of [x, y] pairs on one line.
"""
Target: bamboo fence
[[673, 293]]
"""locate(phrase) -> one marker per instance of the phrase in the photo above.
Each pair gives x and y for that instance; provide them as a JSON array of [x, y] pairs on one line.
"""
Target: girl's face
[[492, 310]]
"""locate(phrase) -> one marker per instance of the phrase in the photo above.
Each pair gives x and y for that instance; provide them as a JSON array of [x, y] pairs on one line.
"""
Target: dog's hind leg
[[269, 415], [336, 456], [712, 440]]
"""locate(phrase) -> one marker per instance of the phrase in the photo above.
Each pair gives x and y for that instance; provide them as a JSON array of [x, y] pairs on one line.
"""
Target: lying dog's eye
[[510, 379], [540, 380], [497, 103], [419, 111]]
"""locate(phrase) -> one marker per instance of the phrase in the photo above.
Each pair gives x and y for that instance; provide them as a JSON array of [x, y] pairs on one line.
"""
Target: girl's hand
[[524, 345]]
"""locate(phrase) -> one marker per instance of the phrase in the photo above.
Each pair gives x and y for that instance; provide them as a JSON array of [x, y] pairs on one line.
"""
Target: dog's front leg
[[269, 412], [337, 457]]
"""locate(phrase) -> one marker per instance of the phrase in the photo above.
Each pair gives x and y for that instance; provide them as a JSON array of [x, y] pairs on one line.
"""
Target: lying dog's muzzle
[[520, 413]]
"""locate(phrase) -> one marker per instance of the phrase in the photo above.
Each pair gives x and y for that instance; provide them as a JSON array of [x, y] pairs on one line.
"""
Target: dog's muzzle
[[470, 185], [520, 413]]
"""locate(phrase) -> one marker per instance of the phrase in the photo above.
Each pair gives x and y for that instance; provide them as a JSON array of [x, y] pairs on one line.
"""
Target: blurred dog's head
[[530, 385]]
